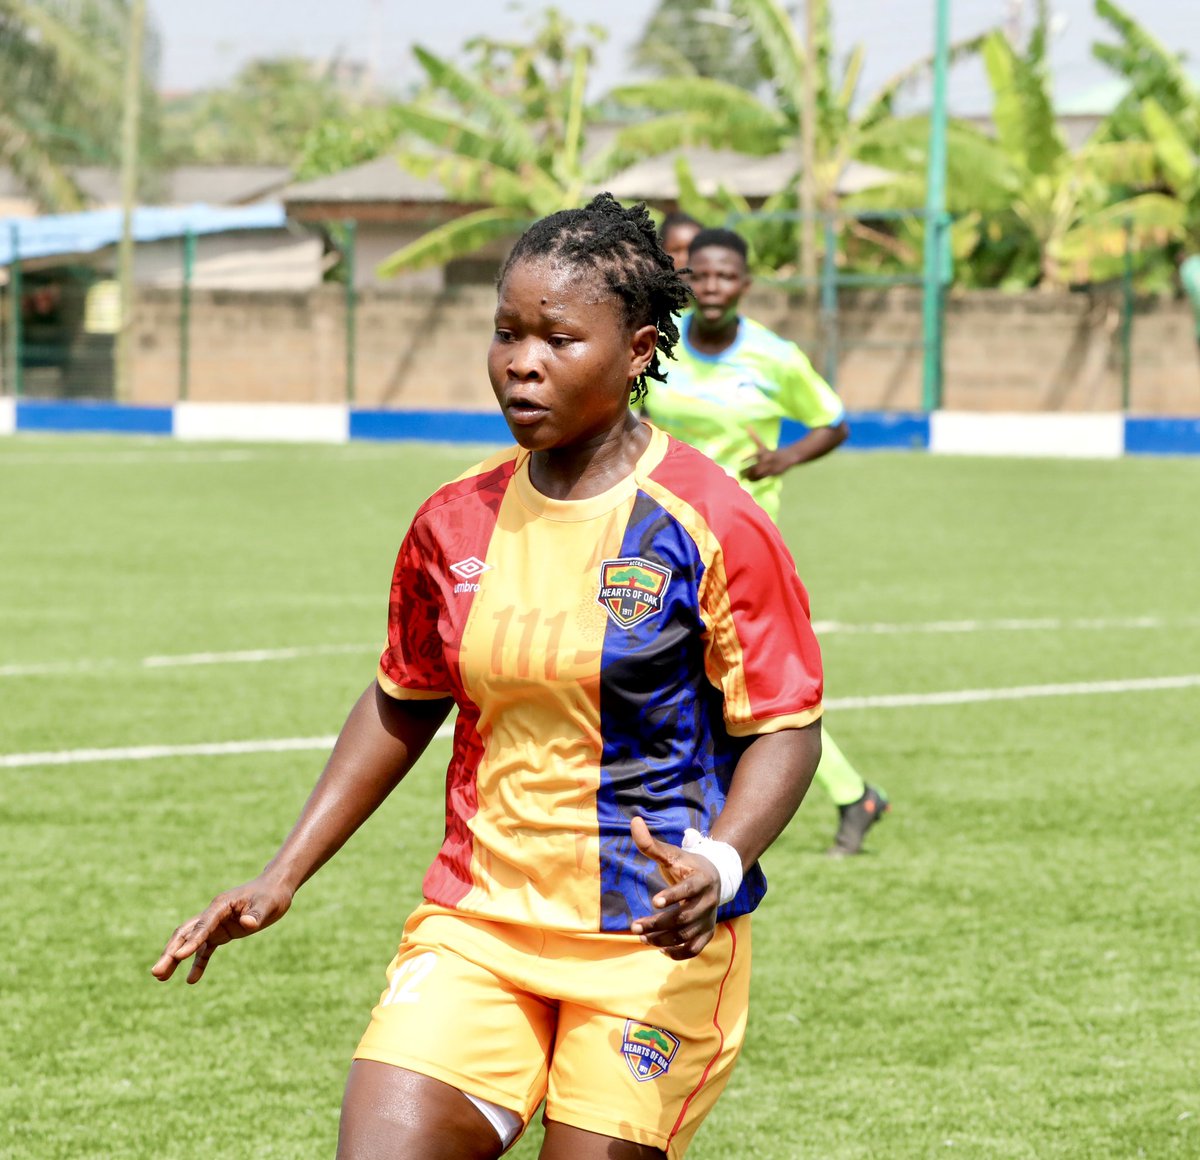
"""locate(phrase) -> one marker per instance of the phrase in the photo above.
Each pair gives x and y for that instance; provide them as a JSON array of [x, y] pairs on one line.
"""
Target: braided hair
[[620, 246]]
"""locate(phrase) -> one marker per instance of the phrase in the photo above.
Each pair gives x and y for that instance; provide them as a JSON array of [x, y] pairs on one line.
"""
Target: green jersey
[[711, 401]]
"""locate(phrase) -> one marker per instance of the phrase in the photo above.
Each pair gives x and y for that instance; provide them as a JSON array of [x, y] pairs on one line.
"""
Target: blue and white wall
[[1082, 436]]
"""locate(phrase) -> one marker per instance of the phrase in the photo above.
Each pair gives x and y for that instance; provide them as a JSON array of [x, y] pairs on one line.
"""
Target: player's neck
[[591, 466], [715, 339]]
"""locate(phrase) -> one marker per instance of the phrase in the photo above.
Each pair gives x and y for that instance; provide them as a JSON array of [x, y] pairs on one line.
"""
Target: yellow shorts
[[618, 1038]]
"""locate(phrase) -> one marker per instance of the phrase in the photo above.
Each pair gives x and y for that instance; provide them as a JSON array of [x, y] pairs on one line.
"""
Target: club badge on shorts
[[648, 1050], [632, 589]]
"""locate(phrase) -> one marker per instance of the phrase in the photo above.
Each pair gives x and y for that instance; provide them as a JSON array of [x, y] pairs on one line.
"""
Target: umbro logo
[[468, 572]]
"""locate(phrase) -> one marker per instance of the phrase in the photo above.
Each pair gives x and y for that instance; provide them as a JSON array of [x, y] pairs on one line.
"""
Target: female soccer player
[[729, 383], [595, 604]]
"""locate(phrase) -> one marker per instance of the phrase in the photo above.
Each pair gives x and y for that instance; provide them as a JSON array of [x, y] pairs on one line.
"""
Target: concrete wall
[[1030, 352]]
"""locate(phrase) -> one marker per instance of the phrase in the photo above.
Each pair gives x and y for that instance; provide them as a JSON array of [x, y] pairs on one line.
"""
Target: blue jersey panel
[[667, 756]]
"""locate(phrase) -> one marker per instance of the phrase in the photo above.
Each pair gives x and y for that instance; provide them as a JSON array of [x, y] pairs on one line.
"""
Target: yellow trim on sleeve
[[775, 724], [400, 693]]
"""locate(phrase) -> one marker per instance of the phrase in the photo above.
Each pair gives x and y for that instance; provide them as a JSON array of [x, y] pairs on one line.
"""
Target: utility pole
[[935, 216], [808, 156], [130, 124]]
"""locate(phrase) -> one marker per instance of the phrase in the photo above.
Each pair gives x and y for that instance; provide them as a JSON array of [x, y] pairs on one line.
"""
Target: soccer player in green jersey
[[730, 384]]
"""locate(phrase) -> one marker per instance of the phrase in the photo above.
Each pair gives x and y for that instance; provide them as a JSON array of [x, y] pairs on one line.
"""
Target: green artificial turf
[[1010, 971]]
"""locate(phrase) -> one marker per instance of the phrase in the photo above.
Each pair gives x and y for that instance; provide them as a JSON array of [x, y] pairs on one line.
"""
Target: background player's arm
[[819, 441], [380, 741], [805, 396]]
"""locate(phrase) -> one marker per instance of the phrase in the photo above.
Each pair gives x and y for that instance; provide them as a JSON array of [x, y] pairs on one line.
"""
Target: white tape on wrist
[[722, 855]]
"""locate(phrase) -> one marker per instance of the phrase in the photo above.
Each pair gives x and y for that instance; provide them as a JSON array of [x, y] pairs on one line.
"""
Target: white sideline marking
[[243, 657], [1011, 624], [256, 655], [1019, 693], [89, 458], [155, 752], [887, 701], [822, 628]]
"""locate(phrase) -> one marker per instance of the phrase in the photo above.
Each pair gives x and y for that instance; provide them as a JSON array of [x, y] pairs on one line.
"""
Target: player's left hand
[[687, 910], [766, 461]]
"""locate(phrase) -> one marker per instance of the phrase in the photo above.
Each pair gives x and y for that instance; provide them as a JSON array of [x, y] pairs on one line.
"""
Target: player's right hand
[[237, 913]]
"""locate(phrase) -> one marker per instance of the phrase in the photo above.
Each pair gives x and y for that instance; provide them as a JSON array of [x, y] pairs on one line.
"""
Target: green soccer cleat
[[857, 818]]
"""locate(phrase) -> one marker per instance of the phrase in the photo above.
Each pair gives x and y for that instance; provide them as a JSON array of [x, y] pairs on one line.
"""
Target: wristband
[[726, 860]]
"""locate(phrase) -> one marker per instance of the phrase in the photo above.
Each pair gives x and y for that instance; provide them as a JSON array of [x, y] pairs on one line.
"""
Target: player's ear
[[641, 349]]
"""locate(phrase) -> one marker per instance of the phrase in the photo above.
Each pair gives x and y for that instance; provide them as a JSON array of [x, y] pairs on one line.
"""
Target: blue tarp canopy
[[85, 233]]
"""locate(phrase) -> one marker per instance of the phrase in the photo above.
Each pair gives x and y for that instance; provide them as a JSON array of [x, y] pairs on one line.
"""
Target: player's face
[[676, 241], [562, 359], [718, 279]]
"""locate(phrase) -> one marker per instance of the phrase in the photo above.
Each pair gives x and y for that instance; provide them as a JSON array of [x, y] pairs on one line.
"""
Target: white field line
[[822, 627], [1018, 693], [888, 701], [1004, 624], [185, 660], [157, 752], [351, 452], [89, 458]]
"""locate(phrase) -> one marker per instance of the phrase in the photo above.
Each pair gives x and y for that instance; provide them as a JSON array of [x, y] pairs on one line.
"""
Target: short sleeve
[[413, 664], [804, 395], [761, 649]]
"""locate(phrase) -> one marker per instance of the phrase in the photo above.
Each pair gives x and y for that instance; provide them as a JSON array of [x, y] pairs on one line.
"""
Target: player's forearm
[[818, 442], [377, 746], [768, 786]]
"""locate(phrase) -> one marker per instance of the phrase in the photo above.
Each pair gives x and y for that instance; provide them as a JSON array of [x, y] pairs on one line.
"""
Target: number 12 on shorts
[[407, 980]]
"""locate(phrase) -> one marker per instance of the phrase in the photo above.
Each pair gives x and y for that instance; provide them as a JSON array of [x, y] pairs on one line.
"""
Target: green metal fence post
[[829, 300], [350, 245], [1127, 318], [185, 314], [935, 211], [14, 298]]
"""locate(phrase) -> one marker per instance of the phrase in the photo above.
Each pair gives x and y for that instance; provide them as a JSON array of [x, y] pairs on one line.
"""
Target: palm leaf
[[568, 162], [74, 55], [1094, 250], [1023, 114], [499, 115], [469, 179], [1175, 156], [703, 97], [455, 239], [453, 135], [52, 187], [779, 41]]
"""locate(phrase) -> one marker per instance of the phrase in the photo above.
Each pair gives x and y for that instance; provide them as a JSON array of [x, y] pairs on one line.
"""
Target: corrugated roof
[[84, 233], [381, 180], [751, 176], [187, 185]]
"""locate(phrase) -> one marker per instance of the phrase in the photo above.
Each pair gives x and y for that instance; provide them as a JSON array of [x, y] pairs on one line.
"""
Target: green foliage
[[333, 145], [715, 113], [1066, 217], [509, 129], [698, 38], [61, 68], [263, 118]]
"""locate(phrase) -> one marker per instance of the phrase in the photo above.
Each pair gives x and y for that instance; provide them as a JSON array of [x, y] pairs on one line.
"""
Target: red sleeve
[[413, 664], [762, 649]]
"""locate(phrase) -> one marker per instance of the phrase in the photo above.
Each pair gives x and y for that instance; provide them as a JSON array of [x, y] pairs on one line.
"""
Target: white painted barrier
[[264, 422], [1069, 436], [8, 415]]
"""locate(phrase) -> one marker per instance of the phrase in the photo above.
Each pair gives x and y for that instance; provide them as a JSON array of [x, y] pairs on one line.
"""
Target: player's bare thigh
[[563, 1142], [390, 1113]]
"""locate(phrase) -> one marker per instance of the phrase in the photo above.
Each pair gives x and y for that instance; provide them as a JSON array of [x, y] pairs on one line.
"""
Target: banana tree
[[1068, 217], [714, 113], [517, 155], [60, 91]]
